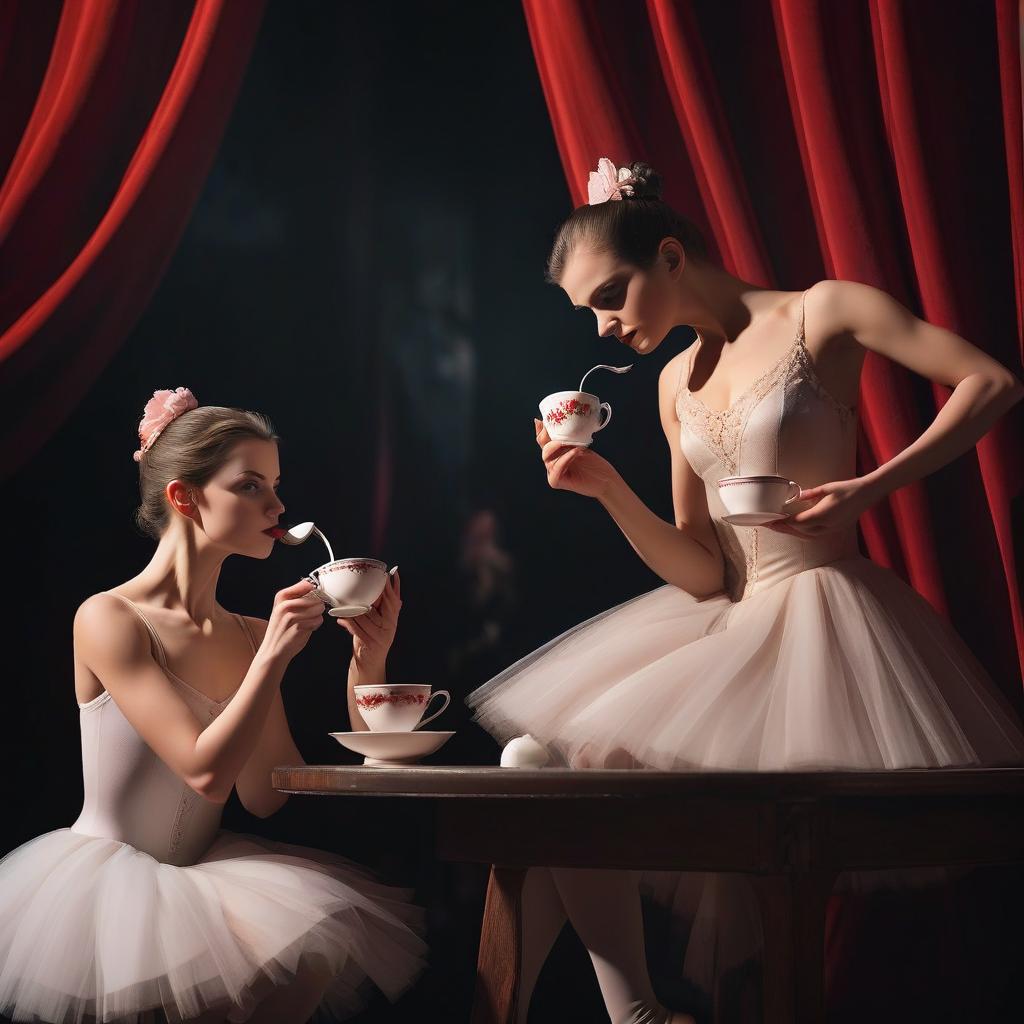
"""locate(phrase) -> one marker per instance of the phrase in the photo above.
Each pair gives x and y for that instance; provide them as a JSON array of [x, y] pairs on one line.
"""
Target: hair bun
[[646, 181]]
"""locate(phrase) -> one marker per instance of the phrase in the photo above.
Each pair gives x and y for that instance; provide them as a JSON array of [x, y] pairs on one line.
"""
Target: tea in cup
[[397, 707], [573, 417], [762, 498], [349, 586]]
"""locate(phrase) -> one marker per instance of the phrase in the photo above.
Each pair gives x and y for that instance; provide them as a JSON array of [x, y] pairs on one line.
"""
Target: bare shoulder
[[103, 622], [669, 380], [840, 307], [671, 371]]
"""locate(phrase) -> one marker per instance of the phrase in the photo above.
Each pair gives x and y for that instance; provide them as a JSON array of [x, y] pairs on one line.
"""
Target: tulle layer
[[838, 667], [842, 666], [93, 929]]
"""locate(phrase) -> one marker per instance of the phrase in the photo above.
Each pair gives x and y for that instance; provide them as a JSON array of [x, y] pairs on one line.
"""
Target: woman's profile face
[[240, 501], [636, 306]]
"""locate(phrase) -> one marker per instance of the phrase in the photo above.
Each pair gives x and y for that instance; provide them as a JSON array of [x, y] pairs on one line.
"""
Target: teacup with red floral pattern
[[573, 417], [397, 707], [349, 586]]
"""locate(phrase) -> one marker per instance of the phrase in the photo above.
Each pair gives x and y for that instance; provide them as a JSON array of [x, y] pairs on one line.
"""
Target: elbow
[[210, 788], [1013, 387], [1006, 391]]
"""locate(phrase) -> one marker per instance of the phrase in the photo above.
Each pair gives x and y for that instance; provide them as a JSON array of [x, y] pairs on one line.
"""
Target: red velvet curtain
[[112, 113], [876, 141]]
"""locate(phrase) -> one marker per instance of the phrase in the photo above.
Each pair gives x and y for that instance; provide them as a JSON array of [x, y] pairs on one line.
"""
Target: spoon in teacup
[[299, 534], [602, 366]]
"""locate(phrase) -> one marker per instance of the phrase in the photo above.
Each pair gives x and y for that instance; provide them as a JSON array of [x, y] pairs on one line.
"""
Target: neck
[[719, 305], [183, 573]]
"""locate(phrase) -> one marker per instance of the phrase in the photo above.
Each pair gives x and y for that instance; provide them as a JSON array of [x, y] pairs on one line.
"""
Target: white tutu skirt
[[842, 666], [94, 929]]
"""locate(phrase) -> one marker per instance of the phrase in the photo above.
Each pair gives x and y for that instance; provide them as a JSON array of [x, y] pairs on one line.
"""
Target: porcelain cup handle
[[794, 493], [315, 580], [608, 418], [436, 693]]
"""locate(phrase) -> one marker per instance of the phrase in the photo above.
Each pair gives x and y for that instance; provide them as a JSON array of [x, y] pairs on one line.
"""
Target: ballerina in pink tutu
[[144, 909], [770, 647]]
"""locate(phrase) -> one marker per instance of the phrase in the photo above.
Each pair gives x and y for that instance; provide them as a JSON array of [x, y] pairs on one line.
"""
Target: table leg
[[499, 961], [793, 919]]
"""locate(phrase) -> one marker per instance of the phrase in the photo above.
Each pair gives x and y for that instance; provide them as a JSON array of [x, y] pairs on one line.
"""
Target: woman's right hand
[[296, 613], [571, 468]]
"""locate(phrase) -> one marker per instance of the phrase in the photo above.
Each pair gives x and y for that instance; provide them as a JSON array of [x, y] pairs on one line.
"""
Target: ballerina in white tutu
[[770, 647], [144, 909]]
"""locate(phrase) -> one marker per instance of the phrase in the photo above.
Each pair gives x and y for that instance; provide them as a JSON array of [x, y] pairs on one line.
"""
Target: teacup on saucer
[[397, 707], [755, 500]]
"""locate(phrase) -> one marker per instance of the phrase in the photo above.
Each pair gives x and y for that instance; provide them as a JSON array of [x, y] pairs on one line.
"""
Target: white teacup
[[757, 495], [397, 707], [573, 417], [349, 586]]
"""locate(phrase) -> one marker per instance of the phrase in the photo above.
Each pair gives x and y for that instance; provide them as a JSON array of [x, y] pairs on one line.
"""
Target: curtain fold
[[105, 165], [868, 141]]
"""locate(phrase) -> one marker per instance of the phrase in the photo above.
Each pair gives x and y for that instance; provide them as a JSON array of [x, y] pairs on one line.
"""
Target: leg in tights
[[542, 919], [603, 907]]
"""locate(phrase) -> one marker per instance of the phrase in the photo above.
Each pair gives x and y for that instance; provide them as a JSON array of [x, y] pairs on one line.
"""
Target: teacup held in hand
[[349, 586], [573, 417], [755, 500]]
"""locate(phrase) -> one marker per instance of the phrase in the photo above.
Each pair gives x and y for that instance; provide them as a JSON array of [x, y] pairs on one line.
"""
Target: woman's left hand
[[373, 633], [839, 505]]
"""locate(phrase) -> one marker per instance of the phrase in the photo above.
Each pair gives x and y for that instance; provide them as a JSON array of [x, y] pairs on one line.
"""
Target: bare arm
[[686, 554], [275, 746], [372, 637], [115, 645], [983, 389]]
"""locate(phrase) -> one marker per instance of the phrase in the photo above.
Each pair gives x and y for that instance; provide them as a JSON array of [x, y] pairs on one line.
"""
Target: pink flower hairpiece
[[608, 183], [160, 410]]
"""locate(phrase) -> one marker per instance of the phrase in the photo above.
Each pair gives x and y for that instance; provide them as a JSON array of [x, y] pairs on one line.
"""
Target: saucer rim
[[773, 517], [400, 732]]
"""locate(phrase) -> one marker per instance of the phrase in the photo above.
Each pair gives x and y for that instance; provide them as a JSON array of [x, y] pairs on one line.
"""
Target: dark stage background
[[364, 266]]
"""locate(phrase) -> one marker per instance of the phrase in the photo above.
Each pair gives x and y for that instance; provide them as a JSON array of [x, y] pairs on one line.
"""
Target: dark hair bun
[[647, 181]]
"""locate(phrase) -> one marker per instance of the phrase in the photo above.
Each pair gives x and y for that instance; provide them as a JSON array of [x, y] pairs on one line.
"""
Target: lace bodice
[[786, 423], [130, 794]]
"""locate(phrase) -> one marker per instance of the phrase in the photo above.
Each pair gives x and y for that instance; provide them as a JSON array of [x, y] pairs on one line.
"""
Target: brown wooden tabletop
[[792, 832], [491, 781]]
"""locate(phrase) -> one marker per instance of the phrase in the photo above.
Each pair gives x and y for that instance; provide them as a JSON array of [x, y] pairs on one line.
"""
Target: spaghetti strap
[[686, 368], [248, 632], [161, 655], [800, 329]]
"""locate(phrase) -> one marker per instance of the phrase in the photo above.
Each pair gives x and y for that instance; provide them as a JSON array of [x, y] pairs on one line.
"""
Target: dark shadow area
[[365, 266]]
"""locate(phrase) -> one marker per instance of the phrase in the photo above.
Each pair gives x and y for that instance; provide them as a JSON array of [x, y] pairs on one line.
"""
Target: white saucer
[[392, 749], [754, 518], [348, 611]]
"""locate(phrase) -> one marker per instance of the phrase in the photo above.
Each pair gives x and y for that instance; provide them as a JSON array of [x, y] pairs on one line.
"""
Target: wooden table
[[792, 832]]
